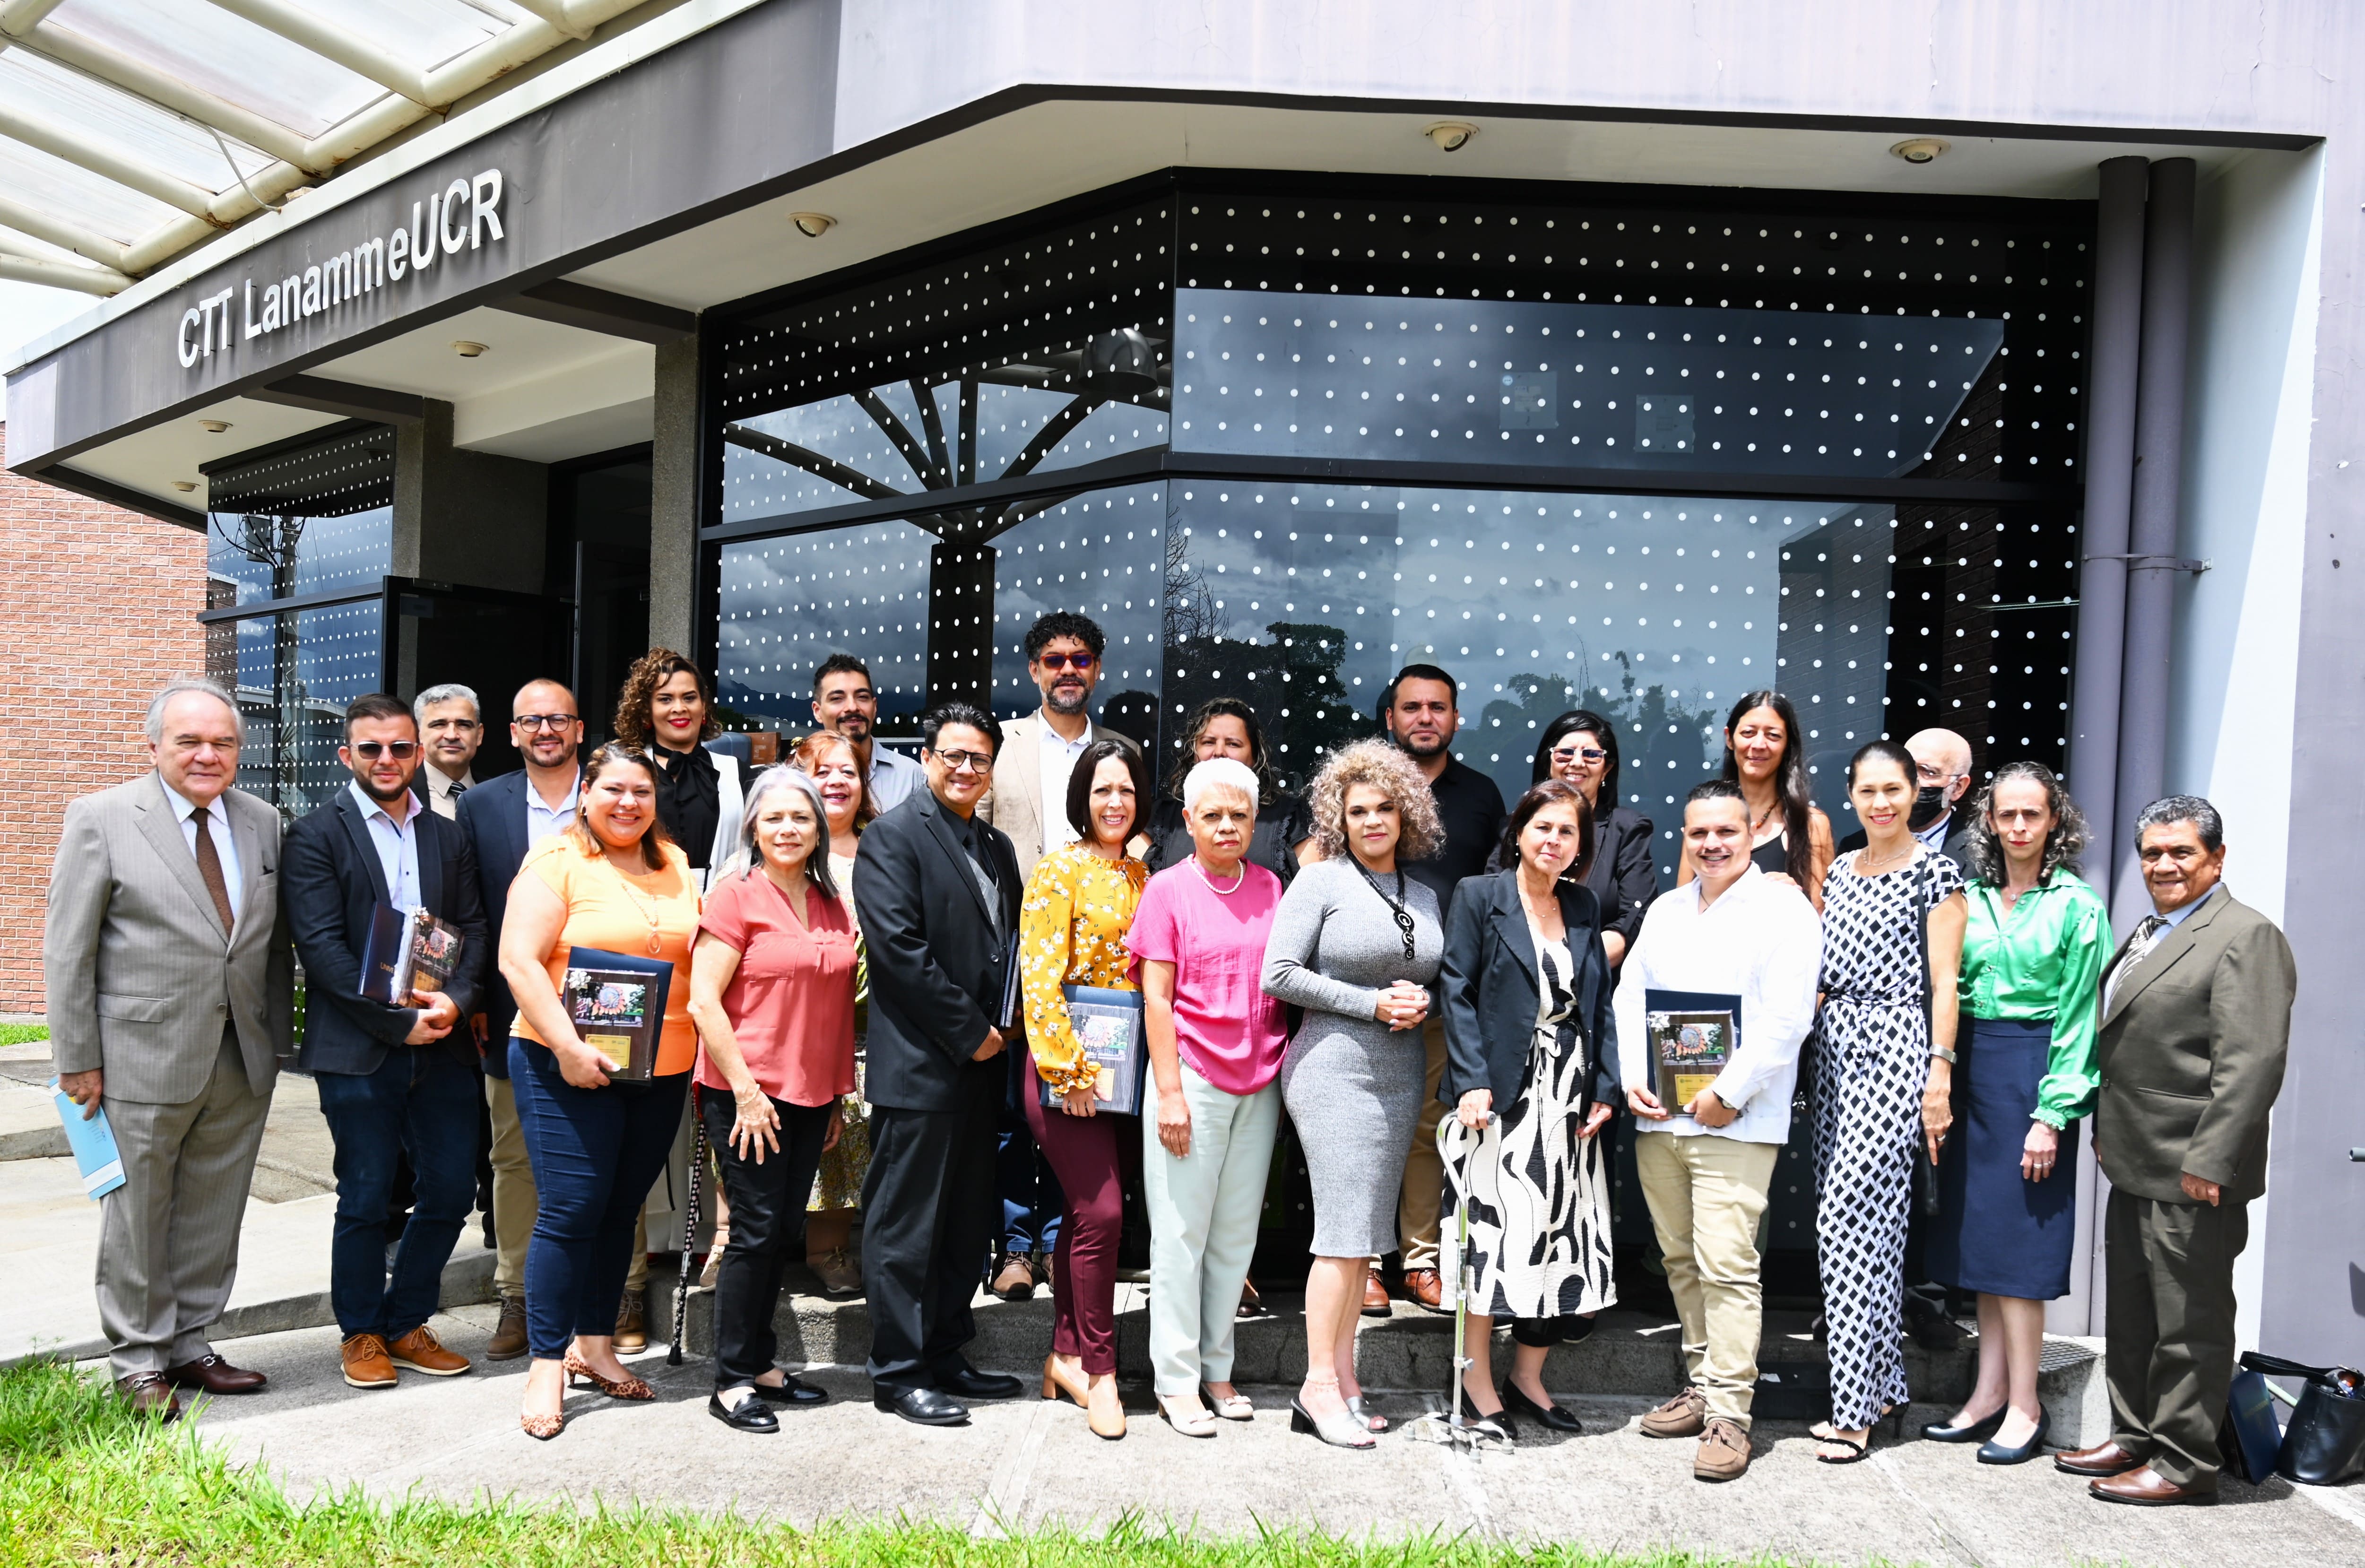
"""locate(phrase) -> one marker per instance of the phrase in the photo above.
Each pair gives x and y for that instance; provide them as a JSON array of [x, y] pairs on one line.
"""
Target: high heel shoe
[[1978, 1431], [1993, 1453], [1344, 1431], [626, 1388], [1371, 1422], [1105, 1416], [1056, 1384], [1236, 1406], [1195, 1422], [542, 1427], [1550, 1416]]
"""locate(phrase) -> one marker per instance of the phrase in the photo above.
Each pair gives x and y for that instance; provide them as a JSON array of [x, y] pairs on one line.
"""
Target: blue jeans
[[1027, 1186], [422, 1102], [596, 1153]]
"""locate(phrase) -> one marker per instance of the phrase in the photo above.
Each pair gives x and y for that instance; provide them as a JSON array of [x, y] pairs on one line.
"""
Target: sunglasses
[[370, 751], [532, 722], [1566, 754], [972, 761], [1082, 662]]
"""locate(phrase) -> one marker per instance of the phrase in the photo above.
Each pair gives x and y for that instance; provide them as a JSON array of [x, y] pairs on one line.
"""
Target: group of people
[[878, 974]]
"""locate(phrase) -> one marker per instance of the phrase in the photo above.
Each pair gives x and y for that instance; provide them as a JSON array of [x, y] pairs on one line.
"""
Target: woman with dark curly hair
[[667, 709], [1285, 833], [2032, 955]]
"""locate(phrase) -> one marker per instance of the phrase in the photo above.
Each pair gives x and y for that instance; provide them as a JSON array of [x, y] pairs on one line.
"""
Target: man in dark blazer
[[2195, 1020], [937, 890], [394, 1077], [503, 819]]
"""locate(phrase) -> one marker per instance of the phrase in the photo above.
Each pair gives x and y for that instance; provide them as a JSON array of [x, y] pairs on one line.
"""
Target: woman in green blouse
[[2003, 1120]]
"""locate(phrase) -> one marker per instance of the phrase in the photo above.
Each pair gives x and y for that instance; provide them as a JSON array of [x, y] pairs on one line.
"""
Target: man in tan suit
[[2196, 1018], [170, 986], [1030, 802]]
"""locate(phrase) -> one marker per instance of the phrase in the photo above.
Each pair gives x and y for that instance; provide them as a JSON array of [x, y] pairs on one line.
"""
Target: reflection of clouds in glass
[[788, 603], [1096, 555], [349, 551]]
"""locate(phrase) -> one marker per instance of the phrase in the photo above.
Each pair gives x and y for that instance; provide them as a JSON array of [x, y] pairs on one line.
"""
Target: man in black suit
[[394, 1077], [937, 891], [503, 818]]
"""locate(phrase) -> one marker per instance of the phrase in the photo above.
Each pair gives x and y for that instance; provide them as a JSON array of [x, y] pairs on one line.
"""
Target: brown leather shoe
[[1014, 1277], [509, 1335], [2147, 1488], [840, 1275], [210, 1375], [631, 1324], [1684, 1415], [1723, 1453], [422, 1353], [1375, 1295], [1425, 1287], [367, 1362], [2105, 1458], [149, 1394]]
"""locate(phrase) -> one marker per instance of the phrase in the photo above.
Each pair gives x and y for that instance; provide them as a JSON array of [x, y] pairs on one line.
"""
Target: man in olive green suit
[[2196, 1018]]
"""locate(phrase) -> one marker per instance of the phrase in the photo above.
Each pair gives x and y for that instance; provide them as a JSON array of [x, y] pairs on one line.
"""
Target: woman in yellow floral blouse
[[1071, 929]]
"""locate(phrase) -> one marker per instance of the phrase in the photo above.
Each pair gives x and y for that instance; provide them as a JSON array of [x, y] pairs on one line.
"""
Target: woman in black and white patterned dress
[[1879, 1025], [1525, 998]]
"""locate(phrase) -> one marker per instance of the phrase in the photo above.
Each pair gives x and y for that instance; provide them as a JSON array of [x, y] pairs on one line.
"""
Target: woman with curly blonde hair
[[667, 709], [1356, 943]]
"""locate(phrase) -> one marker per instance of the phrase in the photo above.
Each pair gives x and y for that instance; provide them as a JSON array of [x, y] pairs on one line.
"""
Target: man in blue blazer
[[503, 819], [398, 1078]]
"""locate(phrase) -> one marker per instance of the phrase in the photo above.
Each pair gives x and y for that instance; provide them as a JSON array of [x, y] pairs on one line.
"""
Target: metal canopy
[[132, 129]]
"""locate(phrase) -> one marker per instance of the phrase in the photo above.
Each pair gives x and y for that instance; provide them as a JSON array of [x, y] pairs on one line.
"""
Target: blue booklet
[[1110, 1025], [92, 1142]]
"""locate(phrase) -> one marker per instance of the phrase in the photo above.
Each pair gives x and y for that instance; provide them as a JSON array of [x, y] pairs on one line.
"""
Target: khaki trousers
[[513, 1199], [1707, 1194], [1422, 1199]]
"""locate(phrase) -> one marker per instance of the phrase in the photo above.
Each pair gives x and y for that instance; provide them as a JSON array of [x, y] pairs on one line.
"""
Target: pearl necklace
[[1237, 882]]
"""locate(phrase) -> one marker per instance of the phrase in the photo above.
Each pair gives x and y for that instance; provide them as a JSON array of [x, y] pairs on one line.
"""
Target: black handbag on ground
[[2324, 1442]]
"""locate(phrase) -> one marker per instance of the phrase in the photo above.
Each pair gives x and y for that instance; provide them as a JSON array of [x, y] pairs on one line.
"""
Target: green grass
[[22, 1034], [84, 1483]]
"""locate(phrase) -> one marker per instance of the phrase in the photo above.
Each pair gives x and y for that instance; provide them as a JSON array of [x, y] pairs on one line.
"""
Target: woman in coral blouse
[[772, 988], [1072, 925], [616, 882]]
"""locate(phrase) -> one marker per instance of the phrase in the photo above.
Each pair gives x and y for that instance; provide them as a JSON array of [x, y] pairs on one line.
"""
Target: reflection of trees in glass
[[271, 540]]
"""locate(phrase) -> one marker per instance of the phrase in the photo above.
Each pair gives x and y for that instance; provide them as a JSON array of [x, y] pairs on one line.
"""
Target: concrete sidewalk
[[1027, 1464]]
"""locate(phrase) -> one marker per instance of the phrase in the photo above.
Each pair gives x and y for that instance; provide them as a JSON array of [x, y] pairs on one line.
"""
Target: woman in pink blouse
[[1215, 1043], [771, 988]]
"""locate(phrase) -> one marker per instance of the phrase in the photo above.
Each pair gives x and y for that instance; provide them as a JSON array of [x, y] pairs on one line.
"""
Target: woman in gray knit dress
[[1356, 945]]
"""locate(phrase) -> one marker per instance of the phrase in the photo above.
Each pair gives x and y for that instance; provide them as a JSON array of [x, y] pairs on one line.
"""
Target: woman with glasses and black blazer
[[1532, 1068], [1580, 748]]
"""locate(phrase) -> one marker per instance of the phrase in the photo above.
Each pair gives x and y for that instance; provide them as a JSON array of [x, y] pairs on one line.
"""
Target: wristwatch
[[1945, 1054]]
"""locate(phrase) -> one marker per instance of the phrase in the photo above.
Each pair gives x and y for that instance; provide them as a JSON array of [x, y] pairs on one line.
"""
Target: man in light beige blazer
[[170, 986]]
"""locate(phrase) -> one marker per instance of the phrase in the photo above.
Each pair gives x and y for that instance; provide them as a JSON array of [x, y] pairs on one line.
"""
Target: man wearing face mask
[[1943, 760]]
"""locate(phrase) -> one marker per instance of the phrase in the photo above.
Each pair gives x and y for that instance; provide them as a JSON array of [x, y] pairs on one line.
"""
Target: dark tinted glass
[[309, 521], [293, 673]]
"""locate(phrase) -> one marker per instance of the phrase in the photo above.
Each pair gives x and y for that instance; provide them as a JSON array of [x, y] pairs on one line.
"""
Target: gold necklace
[[1865, 867], [650, 911]]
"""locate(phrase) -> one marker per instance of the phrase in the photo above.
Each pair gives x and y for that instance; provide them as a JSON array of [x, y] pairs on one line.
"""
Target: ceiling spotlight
[[813, 225], [467, 349], [1451, 135], [213, 427], [184, 485], [1920, 149]]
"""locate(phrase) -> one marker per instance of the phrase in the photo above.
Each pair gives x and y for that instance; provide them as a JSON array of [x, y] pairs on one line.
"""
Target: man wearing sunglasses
[[1030, 802], [394, 1077]]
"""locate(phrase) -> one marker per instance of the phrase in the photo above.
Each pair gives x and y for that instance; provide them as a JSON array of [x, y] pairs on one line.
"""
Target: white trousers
[[1204, 1210]]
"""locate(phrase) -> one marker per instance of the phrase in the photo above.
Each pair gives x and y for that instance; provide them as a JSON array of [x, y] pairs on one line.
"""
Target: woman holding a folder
[[1071, 929], [598, 1114]]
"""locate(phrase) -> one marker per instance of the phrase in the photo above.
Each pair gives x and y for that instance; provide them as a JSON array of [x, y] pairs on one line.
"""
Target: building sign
[[463, 216]]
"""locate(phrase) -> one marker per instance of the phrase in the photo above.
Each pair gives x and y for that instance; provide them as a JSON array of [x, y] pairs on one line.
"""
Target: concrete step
[[29, 1124], [1628, 1352]]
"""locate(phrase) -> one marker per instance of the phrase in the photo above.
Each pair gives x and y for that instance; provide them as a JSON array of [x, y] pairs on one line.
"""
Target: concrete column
[[466, 517], [673, 501]]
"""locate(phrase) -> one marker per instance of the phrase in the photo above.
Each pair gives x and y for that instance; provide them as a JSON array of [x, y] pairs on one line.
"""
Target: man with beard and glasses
[[1421, 712], [394, 1077], [1943, 760], [845, 703], [1030, 802]]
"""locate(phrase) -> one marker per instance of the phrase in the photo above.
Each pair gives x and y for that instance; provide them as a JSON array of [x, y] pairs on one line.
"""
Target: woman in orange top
[[615, 883], [772, 988]]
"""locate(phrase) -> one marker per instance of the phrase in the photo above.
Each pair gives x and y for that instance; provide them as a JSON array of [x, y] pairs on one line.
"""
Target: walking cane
[[689, 1228], [1450, 1425]]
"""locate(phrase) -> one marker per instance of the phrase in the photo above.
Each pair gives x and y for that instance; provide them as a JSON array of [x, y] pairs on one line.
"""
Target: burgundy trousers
[[1083, 1154]]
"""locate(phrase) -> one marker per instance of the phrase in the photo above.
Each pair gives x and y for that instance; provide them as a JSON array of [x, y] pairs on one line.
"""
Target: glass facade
[[313, 521]]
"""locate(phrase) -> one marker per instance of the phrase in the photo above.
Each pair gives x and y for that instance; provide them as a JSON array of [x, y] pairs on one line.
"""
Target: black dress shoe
[[748, 1415], [1552, 1417], [970, 1384], [1975, 1432], [791, 1392], [1992, 1452], [923, 1406]]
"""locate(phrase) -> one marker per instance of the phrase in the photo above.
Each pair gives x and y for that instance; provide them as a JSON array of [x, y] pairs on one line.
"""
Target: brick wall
[[98, 609]]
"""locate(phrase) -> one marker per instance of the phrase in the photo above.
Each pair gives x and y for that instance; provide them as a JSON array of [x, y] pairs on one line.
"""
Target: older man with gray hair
[[170, 986], [451, 726]]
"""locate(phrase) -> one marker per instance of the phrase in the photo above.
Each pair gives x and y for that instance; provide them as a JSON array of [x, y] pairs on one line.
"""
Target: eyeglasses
[[370, 751], [532, 722], [972, 761], [1062, 661], [1564, 756], [1930, 775]]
